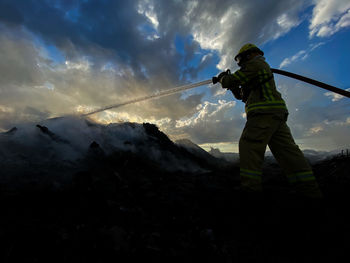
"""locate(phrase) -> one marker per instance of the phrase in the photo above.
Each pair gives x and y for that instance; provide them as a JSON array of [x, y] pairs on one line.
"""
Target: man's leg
[[292, 160], [252, 145]]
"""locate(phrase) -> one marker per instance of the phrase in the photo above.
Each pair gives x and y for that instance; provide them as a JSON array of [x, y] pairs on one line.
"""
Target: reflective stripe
[[264, 88], [278, 104], [242, 77], [236, 77], [267, 86], [269, 93], [267, 107], [251, 171], [256, 175], [301, 177]]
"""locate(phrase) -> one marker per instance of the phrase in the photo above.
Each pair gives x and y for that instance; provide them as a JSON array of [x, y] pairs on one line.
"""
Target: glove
[[237, 92], [221, 75]]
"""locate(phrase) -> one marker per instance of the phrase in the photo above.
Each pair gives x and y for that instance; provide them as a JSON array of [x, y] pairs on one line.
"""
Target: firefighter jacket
[[255, 85]]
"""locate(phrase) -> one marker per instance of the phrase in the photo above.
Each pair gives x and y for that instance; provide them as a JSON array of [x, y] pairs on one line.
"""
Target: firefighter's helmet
[[246, 49]]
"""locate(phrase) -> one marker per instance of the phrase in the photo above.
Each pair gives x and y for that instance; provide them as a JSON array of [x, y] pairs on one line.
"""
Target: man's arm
[[233, 82]]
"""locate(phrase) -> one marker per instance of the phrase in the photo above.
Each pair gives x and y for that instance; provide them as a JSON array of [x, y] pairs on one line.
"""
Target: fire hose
[[312, 81], [209, 81]]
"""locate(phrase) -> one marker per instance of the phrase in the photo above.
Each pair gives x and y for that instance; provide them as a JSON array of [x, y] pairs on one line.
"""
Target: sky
[[62, 57]]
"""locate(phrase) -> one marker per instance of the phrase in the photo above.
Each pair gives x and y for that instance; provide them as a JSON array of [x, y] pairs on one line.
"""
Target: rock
[[11, 131], [53, 136]]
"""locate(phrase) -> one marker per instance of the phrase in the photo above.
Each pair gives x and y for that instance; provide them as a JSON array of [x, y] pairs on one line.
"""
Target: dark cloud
[[111, 29], [101, 29], [206, 61], [18, 60], [9, 13]]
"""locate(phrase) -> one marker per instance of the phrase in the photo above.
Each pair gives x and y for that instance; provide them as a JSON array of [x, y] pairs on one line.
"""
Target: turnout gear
[[266, 126], [271, 129], [254, 81]]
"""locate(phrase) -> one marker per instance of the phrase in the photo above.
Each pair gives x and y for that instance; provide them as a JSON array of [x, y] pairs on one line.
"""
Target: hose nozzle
[[221, 75]]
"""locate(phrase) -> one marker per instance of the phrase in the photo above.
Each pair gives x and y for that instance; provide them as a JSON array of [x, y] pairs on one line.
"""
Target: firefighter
[[267, 114]]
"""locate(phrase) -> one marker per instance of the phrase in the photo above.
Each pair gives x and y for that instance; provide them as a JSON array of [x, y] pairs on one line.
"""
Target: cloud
[[32, 79], [316, 129], [147, 9], [329, 16], [149, 26], [316, 45], [208, 112], [330, 129], [320, 126], [214, 122], [222, 26], [83, 64], [288, 61], [335, 96], [300, 55]]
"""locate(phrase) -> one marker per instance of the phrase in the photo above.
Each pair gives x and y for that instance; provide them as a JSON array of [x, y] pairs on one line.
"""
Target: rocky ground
[[124, 207]]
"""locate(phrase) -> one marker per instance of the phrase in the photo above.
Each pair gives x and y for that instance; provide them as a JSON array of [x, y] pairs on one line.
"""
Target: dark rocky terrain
[[126, 205]]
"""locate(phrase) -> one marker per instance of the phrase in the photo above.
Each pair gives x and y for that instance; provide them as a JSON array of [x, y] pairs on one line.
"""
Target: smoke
[[56, 149], [67, 139]]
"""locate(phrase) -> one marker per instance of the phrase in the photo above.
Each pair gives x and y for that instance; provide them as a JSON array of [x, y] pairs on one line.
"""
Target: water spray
[[153, 96], [209, 81]]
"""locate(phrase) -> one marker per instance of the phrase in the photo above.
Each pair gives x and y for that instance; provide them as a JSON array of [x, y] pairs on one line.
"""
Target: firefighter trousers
[[271, 129]]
